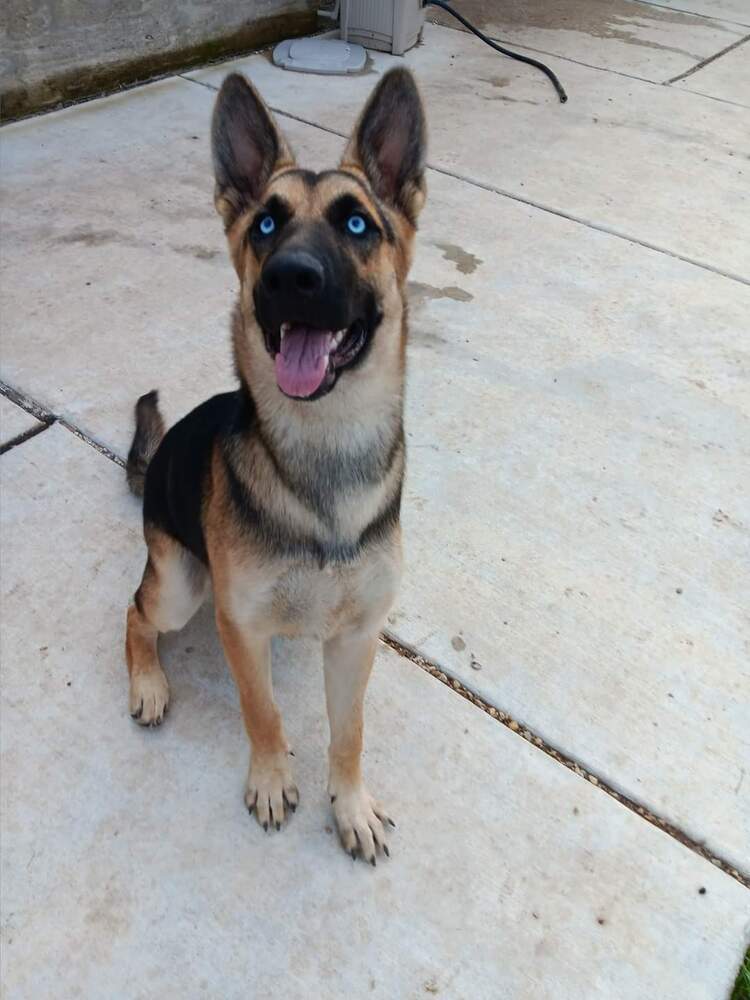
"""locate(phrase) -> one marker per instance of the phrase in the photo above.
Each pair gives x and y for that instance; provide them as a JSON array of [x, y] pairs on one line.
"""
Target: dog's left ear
[[389, 143], [246, 145]]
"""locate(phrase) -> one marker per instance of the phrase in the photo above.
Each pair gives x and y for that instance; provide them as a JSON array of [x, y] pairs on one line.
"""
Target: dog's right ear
[[246, 145]]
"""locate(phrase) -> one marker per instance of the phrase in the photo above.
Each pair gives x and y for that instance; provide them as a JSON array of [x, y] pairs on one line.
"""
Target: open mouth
[[307, 359]]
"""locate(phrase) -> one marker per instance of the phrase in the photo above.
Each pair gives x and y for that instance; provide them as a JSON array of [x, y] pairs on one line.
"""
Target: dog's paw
[[270, 790], [149, 697], [361, 820]]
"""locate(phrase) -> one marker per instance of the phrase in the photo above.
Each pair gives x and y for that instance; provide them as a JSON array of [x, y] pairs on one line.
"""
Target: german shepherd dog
[[285, 493]]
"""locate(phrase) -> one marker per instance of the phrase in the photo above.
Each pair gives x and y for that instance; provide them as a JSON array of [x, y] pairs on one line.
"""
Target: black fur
[[327, 309], [383, 219], [276, 537], [176, 478], [176, 483]]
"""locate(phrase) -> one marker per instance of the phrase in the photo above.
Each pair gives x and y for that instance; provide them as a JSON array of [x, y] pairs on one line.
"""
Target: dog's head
[[322, 258]]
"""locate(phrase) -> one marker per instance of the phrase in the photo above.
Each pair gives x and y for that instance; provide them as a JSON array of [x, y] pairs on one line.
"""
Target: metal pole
[[345, 20]]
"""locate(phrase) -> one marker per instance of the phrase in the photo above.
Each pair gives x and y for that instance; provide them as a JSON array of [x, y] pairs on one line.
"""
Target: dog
[[284, 496]]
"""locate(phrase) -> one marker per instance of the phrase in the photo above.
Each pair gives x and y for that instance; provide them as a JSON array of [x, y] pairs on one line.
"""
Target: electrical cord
[[506, 52]]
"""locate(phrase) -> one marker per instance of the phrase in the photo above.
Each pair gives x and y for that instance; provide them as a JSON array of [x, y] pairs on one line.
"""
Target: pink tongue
[[302, 362]]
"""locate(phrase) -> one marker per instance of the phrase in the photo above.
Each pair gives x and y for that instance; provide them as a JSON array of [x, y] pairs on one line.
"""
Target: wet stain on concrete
[[197, 251], [465, 262], [621, 20], [508, 100], [430, 341], [419, 293], [91, 237], [88, 236], [109, 914], [496, 81]]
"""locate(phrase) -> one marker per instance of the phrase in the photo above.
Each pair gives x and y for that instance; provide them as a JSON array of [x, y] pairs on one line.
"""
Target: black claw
[[386, 851], [373, 862], [250, 808], [265, 825], [353, 853], [293, 807], [278, 825], [391, 822], [333, 797]]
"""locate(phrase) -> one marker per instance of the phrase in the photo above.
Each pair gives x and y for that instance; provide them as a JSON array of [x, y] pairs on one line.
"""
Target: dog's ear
[[246, 145], [389, 143]]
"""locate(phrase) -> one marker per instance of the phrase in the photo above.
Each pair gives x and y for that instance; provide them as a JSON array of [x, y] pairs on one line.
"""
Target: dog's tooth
[[284, 329]]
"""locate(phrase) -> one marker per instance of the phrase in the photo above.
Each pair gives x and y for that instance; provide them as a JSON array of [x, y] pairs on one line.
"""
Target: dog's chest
[[312, 601], [304, 599]]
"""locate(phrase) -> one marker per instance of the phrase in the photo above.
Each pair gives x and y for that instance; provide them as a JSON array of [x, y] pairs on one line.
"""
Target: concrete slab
[[14, 421], [653, 43], [576, 518], [727, 78], [550, 365], [646, 161], [536, 884], [140, 289], [135, 264], [727, 10]]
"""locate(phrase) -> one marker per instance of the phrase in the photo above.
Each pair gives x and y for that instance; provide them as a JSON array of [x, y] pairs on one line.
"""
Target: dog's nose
[[293, 272]]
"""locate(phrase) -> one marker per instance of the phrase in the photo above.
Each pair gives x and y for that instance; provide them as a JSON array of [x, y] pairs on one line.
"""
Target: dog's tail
[[149, 430]]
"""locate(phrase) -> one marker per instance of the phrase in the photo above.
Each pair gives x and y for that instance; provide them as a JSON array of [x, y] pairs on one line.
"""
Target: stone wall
[[55, 51]]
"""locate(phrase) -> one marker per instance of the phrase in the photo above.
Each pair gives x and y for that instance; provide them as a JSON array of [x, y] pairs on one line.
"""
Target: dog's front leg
[[361, 820], [270, 787]]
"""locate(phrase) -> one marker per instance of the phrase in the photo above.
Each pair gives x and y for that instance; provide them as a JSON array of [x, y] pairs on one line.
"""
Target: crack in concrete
[[526, 733], [25, 436], [45, 418], [453, 683], [590, 19], [588, 65], [48, 417], [693, 13], [596, 226], [709, 59]]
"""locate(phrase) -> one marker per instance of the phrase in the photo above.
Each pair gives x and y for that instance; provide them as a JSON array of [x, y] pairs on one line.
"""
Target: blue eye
[[266, 225], [356, 225]]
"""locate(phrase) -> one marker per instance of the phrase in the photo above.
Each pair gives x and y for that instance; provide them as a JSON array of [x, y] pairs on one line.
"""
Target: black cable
[[506, 52]]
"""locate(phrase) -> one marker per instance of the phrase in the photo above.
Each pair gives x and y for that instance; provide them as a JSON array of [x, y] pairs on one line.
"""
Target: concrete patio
[[559, 718]]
